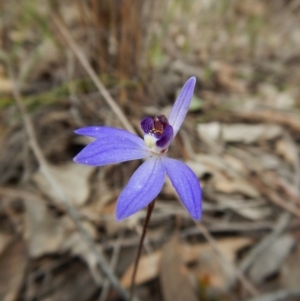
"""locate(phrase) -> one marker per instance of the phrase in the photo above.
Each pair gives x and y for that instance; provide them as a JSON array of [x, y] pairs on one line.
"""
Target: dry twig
[[113, 263], [86, 65]]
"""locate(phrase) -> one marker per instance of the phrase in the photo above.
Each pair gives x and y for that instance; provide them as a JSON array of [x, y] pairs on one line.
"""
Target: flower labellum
[[114, 145]]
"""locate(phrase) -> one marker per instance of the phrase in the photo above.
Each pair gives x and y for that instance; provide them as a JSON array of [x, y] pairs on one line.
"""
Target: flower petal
[[91, 131], [147, 125], [186, 184], [112, 146], [104, 131], [166, 138], [142, 188], [182, 104]]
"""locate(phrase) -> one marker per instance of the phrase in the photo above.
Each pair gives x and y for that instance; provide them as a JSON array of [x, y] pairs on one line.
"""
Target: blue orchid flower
[[114, 145]]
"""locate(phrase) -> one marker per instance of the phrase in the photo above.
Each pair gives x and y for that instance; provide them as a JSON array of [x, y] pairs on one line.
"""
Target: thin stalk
[[137, 259]]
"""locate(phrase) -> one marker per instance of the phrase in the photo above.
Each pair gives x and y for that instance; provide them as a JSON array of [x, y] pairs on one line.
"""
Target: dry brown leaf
[[234, 185], [229, 247], [239, 132], [99, 208], [211, 271], [149, 264], [211, 130], [273, 98], [236, 164], [13, 262], [71, 13], [254, 8], [111, 227], [287, 149], [250, 209], [174, 280], [73, 178], [287, 119], [226, 78], [46, 55], [78, 247], [147, 270], [4, 241], [45, 232], [6, 85], [50, 234], [271, 259], [246, 133], [198, 168], [74, 283], [228, 165], [268, 161]]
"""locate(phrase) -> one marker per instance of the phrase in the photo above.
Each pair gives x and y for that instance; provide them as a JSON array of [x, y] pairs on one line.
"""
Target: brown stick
[[137, 259], [90, 71]]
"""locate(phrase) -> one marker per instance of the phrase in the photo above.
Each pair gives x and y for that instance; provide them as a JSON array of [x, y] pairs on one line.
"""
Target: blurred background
[[241, 137]]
